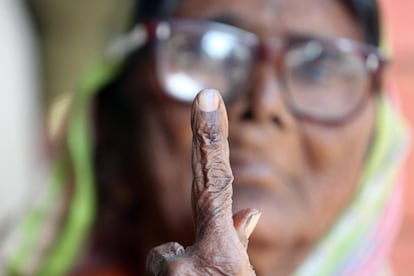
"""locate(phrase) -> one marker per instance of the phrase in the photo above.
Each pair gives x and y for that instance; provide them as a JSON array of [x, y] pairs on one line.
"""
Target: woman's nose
[[264, 101]]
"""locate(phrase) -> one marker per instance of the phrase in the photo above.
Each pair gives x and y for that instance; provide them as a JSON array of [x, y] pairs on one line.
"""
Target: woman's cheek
[[169, 149], [330, 146]]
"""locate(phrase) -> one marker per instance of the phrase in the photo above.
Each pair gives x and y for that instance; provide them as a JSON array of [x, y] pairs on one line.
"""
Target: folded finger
[[158, 257], [245, 222]]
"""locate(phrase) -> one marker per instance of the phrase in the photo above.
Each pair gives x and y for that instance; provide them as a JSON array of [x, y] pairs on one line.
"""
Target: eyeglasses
[[325, 80]]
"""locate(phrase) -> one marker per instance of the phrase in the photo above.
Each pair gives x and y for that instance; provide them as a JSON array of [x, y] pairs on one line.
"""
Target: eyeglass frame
[[151, 32]]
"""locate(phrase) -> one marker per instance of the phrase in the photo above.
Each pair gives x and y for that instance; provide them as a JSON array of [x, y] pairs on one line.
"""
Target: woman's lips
[[254, 173]]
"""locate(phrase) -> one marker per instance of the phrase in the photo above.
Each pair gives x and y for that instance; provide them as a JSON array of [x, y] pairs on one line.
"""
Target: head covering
[[360, 240]]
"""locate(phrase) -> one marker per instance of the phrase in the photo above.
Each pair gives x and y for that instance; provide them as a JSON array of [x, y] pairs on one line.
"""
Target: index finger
[[212, 176]]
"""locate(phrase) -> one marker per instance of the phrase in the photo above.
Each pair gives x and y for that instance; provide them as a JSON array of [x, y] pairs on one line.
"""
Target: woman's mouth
[[254, 173]]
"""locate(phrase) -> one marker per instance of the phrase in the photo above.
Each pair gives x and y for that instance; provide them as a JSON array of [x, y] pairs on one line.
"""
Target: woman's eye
[[314, 71], [322, 68], [183, 54]]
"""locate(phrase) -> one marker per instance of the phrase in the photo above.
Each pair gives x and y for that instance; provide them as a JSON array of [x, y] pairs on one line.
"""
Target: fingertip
[[252, 222], [208, 100], [209, 115]]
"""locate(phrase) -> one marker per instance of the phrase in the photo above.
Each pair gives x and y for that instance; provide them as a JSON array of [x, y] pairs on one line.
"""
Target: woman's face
[[298, 174]]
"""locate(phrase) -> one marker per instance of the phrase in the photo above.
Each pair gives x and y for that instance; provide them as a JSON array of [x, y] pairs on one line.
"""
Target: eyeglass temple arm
[[125, 44]]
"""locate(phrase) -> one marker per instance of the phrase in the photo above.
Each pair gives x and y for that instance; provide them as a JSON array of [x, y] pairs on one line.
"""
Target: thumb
[[245, 222]]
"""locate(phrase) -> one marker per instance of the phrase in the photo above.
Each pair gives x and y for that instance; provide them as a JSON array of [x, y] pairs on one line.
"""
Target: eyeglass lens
[[322, 81], [193, 59]]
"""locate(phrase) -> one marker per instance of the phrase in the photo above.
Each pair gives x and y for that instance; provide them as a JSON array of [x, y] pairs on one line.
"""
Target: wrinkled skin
[[298, 174], [220, 244]]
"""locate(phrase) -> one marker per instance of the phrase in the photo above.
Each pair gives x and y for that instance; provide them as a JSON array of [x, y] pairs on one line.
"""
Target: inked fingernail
[[208, 100], [251, 224]]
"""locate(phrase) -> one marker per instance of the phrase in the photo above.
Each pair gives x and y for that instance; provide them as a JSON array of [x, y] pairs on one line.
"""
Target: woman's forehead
[[327, 18]]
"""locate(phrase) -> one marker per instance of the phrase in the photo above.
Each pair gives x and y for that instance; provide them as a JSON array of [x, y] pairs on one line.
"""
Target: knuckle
[[178, 266], [221, 182], [158, 258], [209, 137]]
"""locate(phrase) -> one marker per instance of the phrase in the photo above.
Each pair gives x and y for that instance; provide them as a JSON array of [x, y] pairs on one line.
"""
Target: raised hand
[[221, 239]]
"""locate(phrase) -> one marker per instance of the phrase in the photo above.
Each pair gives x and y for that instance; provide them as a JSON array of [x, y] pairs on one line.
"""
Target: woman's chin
[[281, 238]]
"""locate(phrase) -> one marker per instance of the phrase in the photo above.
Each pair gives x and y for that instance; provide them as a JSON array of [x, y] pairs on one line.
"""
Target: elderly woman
[[298, 143]]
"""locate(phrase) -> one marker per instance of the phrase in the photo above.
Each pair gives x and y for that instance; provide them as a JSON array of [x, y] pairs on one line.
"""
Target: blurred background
[[399, 20], [73, 39]]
